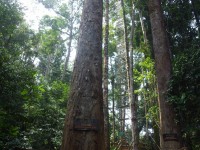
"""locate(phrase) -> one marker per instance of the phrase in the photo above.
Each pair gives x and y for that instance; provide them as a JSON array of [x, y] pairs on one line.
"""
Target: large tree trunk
[[169, 138], [105, 80], [84, 127]]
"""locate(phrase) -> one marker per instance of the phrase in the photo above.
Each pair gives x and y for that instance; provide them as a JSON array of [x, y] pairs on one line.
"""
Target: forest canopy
[[36, 73]]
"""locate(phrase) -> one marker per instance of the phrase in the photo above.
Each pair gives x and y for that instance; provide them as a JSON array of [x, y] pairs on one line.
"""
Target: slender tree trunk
[[145, 97], [113, 99], [71, 36], [124, 110], [105, 80], [126, 41], [68, 53], [84, 127], [120, 104], [142, 26], [169, 135], [132, 97], [126, 48]]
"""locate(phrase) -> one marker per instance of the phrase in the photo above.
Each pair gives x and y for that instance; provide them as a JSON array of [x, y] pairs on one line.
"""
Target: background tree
[[168, 126], [132, 96], [105, 79], [66, 22]]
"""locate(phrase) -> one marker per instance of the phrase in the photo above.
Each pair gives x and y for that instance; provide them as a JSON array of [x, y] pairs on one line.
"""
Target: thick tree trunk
[[105, 80], [84, 127], [169, 138]]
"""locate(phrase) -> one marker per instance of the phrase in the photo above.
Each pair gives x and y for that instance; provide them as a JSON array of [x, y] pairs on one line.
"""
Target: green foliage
[[112, 44], [16, 75], [50, 52], [49, 3], [33, 99], [184, 86], [56, 23], [184, 93], [10, 18], [32, 110], [47, 115], [180, 21]]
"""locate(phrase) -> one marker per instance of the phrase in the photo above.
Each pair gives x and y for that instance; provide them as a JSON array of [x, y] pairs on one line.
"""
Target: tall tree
[[105, 79], [132, 97], [169, 139], [127, 87], [84, 127], [113, 100], [73, 20], [143, 27], [129, 67], [126, 41], [50, 51], [66, 23]]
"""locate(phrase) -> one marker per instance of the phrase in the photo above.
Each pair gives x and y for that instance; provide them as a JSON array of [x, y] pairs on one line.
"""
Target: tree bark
[[129, 67], [105, 80], [113, 99], [142, 26], [84, 127], [127, 56], [132, 97], [126, 41], [123, 103], [168, 126]]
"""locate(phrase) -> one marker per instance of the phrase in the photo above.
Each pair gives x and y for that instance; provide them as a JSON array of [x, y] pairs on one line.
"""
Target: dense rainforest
[[134, 84]]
